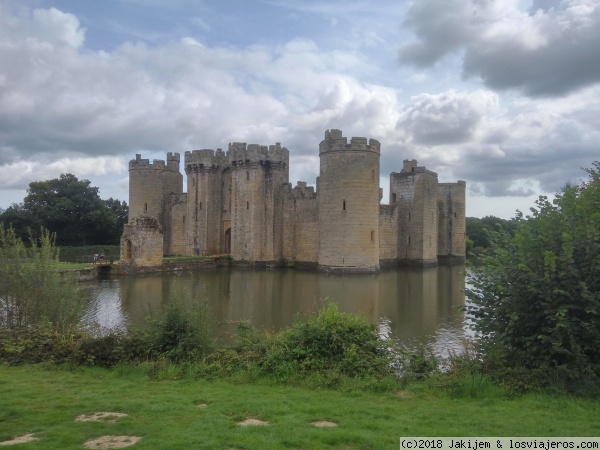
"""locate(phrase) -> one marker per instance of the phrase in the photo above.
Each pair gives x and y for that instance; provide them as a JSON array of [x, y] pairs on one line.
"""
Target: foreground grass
[[45, 401]]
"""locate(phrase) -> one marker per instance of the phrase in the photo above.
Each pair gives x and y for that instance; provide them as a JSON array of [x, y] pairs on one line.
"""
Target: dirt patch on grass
[[252, 422], [110, 417], [20, 440], [202, 405], [403, 394], [109, 442], [324, 424]]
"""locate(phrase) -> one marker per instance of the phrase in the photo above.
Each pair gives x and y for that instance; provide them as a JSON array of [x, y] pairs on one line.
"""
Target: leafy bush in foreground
[[536, 300]]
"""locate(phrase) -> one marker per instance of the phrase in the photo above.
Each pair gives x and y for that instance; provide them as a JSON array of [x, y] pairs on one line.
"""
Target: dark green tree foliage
[[478, 229], [72, 209], [536, 299]]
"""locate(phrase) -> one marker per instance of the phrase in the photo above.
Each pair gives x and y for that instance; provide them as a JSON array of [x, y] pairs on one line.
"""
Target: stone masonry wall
[[452, 221], [415, 191], [388, 234], [301, 225], [348, 194], [177, 241]]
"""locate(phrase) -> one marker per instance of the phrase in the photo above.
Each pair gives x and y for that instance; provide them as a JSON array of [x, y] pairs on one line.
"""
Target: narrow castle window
[[247, 175], [408, 240], [373, 175], [409, 217], [145, 206], [200, 206], [372, 236], [193, 182], [454, 214], [247, 205], [343, 205], [394, 198]]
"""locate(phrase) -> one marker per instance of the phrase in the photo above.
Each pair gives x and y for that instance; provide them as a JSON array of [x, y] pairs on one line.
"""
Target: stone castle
[[241, 203]]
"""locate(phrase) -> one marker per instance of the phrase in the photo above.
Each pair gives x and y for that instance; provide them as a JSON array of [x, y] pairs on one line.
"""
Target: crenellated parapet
[[301, 190], [171, 164], [410, 166], [335, 142], [241, 154], [204, 160]]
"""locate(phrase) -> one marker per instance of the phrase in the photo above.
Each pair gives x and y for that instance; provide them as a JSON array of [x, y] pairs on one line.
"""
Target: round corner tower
[[348, 193], [150, 185]]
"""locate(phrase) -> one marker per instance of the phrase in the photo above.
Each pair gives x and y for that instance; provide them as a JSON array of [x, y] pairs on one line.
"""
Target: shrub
[[536, 301], [331, 341], [33, 291], [182, 333]]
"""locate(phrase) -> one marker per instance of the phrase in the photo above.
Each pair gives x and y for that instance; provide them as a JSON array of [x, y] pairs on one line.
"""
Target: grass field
[[45, 401]]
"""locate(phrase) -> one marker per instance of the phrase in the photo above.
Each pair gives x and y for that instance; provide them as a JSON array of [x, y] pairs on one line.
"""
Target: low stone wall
[[126, 268], [86, 274]]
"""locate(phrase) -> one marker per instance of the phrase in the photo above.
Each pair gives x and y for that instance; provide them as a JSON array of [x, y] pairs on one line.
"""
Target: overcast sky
[[504, 94]]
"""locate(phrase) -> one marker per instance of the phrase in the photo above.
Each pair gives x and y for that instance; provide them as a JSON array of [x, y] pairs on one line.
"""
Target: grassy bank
[[165, 413]]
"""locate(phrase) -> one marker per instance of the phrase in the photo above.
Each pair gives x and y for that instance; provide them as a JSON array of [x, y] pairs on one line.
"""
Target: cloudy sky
[[504, 94]]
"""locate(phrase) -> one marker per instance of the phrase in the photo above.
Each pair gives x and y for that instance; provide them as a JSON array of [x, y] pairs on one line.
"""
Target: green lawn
[[46, 401]]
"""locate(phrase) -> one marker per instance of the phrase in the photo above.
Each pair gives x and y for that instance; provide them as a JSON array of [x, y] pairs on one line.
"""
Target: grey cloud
[[446, 118], [548, 51]]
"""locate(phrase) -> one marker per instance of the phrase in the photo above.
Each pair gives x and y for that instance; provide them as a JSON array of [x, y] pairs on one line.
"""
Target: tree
[[121, 212], [71, 208], [536, 299]]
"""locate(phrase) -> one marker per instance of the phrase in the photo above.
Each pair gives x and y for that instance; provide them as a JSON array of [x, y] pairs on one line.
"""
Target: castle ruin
[[241, 203]]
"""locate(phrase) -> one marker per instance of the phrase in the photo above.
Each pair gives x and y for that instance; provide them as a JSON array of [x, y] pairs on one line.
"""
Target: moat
[[412, 305]]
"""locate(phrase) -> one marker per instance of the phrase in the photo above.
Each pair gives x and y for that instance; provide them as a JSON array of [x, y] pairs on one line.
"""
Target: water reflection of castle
[[417, 302]]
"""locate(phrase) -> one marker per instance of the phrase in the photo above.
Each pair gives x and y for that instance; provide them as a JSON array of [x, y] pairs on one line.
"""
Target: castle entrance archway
[[128, 249], [228, 240]]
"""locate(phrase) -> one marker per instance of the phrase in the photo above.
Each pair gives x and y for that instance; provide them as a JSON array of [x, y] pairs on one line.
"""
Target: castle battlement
[[410, 166], [301, 190], [335, 142], [204, 158], [172, 163], [240, 152]]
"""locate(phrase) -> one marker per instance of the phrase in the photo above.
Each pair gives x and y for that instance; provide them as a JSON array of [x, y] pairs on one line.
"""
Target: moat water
[[413, 306]]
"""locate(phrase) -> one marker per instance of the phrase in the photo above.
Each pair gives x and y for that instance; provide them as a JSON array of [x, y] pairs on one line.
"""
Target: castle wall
[[451, 221], [415, 192], [259, 175], [150, 187], [388, 234], [348, 193], [301, 225], [176, 242], [142, 242], [206, 206]]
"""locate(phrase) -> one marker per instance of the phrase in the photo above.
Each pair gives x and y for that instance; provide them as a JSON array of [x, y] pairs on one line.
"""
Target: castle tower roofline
[[411, 166], [171, 164], [254, 153], [204, 158], [335, 142], [458, 183]]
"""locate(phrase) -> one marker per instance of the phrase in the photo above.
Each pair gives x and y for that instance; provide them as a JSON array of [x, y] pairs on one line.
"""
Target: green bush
[[331, 341], [182, 332], [536, 300]]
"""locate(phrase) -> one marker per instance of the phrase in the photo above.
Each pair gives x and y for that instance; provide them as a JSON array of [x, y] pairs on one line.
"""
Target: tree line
[[70, 208]]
